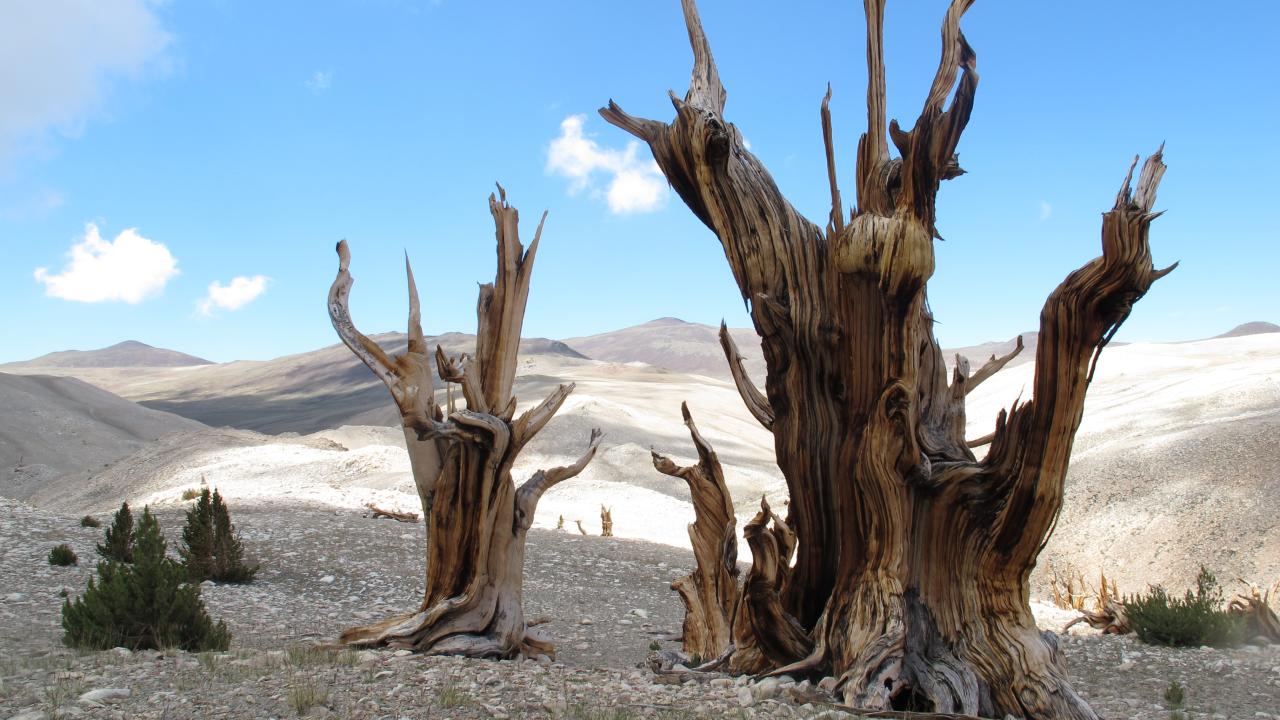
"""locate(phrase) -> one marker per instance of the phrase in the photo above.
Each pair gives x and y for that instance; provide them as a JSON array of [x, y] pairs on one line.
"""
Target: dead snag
[[710, 593], [378, 512], [1260, 617], [912, 558], [476, 517], [606, 522]]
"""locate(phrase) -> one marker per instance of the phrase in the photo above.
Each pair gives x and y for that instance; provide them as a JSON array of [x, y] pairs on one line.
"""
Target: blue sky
[[232, 142]]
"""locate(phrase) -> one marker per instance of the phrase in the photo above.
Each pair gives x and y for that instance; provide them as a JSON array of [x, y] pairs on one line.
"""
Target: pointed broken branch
[[533, 419], [992, 366], [756, 402], [532, 490]]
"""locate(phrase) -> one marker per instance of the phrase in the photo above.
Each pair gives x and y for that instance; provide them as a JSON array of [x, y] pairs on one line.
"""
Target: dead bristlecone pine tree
[[902, 564], [476, 517], [606, 521]]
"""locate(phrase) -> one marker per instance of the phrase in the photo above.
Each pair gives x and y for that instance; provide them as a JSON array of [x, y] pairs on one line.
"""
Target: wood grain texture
[[912, 558], [477, 519]]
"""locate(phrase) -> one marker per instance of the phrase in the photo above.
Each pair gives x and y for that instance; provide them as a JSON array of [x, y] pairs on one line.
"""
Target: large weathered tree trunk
[[910, 579], [476, 518]]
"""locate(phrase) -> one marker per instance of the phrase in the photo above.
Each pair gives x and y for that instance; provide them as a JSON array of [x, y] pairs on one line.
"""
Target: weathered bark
[[910, 579], [711, 592], [476, 517]]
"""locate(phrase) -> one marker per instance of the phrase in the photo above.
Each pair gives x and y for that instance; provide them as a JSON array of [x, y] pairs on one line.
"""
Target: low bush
[[144, 605], [1197, 618], [62, 555], [89, 521]]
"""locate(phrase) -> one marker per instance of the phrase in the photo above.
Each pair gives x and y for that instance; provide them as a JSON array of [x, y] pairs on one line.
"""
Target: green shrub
[[62, 555], [144, 605], [117, 544], [191, 494], [89, 521], [196, 549], [211, 549], [1195, 619]]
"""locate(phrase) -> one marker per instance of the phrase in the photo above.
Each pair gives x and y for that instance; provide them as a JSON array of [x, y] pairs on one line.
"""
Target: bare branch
[[369, 352], [992, 366], [756, 402], [464, 371], [531, 491], [705, 90], [836, 222], [533, 419], [417, 342]]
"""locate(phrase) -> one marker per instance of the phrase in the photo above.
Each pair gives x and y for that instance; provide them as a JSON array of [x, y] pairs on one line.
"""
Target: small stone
[[721, 682], [122, 651], [827, 684], [640, 613], [15, 597], [327, 579], [625, 621], [104, 694], [402, 653], [1259, 641], [745, 697], [586, 621], [382, 674]]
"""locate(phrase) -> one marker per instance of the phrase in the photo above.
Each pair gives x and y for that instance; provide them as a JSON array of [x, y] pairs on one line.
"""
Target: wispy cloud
[[60, 57], [128, 269], [1046, 210], [36, 204], [241, 291], [631, 185], [320, 81]]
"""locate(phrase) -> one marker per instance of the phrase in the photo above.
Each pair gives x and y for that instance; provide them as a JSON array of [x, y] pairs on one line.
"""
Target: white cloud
[[128, 269], [58, 57], [320, 81], [1046, 210], [234, 295], [632, 186]]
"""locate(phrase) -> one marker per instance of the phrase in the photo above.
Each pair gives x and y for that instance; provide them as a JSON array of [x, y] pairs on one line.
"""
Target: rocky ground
[[607, 601]]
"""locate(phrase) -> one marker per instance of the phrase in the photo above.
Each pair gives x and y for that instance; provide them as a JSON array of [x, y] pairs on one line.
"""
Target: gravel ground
[[606, 599]]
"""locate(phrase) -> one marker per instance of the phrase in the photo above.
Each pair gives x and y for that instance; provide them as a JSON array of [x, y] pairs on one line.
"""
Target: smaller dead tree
[[711, 592], [606, 522], [476, 518], [1255, 605]]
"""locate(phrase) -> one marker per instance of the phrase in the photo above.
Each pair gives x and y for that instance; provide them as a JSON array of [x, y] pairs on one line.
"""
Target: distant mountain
[[129, 353], [53, 427], [679, 346], [673, 344], [1256, 327], [303, 393]]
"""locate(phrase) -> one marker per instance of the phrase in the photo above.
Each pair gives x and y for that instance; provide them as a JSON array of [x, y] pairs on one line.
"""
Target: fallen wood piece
[[378, 512]]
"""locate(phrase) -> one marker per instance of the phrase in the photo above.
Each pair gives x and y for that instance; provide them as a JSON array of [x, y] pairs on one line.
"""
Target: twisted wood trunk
[[912, 558], [476, 517]]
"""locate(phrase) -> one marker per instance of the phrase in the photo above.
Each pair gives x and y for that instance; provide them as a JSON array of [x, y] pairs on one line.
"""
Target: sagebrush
[[62, 555], [1197, 618]]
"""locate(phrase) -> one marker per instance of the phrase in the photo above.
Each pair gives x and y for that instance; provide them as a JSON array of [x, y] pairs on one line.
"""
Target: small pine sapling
[[117, 543]]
